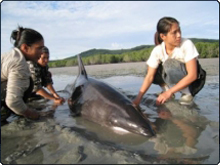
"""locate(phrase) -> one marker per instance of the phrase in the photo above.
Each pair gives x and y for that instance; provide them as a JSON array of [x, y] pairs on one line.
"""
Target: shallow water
[[185, 134]]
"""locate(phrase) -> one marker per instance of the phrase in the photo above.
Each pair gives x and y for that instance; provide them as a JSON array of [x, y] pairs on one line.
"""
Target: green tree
[[126, 58], [71, 62]]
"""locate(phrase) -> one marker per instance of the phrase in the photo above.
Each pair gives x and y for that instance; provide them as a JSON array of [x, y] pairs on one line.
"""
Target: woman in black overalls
[[173, 64]]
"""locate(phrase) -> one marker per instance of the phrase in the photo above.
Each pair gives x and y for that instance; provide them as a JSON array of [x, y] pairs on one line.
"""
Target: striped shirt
[[40, 75]]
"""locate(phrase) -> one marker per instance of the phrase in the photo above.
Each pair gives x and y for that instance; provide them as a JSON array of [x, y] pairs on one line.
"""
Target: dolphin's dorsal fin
[[82, 70]]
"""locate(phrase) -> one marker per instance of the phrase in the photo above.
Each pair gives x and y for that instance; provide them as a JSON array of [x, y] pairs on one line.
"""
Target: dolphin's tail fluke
[[82, 70]]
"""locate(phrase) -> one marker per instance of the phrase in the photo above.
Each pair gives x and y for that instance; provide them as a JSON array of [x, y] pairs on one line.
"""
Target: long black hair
[[25, 35], [163, 26]]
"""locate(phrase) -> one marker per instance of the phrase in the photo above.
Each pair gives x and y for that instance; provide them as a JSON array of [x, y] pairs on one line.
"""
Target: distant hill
[[207, 48], [195, 40], [92, 52]]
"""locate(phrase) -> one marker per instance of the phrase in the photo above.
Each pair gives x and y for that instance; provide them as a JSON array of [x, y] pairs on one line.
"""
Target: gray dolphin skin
[[103, 104]]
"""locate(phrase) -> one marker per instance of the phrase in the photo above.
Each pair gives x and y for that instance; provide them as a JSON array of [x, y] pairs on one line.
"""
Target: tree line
[[205, 49]]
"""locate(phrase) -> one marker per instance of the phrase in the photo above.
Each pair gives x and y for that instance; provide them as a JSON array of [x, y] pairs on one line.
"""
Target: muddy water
[[185, 134]]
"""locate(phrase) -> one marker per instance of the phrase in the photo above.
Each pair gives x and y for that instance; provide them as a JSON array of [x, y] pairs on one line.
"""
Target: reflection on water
[[185, 134], [176, 134]]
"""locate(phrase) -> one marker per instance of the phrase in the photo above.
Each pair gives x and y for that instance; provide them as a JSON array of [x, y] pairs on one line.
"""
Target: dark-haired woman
[[42, 78], [16, 81], [173, 64]]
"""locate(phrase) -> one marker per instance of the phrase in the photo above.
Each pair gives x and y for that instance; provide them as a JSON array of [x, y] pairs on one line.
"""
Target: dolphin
[[103, 104]]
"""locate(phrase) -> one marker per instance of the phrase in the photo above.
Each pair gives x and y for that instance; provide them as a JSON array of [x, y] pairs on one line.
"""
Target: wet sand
[[55, 139], [210, 65]]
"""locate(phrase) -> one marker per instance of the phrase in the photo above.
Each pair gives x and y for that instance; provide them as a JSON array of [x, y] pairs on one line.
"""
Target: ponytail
[[25, 35], [16, 35], [157, 39]]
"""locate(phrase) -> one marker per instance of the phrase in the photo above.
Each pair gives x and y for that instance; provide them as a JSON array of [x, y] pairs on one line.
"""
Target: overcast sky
[[71, 27]]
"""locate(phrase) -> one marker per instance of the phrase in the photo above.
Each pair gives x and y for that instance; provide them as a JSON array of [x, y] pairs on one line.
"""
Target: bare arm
[[52, 90], [54, 93], [45, 94], [191, 68], [145, 86]]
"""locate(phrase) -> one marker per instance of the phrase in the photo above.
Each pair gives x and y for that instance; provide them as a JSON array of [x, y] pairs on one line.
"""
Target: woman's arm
[[45, 94], [191, 68], [18, 83], [58, 99], [145, 86], [52, 90]]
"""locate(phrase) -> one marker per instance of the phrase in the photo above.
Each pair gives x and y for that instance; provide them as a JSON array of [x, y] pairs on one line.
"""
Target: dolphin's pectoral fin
[[73, 101]]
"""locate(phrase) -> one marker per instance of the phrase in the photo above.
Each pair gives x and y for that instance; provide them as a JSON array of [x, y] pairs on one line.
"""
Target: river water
[[185, 134]]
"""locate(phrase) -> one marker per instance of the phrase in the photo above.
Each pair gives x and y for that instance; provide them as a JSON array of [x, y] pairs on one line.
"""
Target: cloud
[[116, 46], [70, 27]]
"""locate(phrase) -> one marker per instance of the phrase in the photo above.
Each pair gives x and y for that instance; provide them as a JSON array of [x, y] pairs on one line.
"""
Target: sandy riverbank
[[63, 139], [211, 66]]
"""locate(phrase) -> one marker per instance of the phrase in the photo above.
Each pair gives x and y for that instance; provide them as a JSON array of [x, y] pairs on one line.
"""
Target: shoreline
[[210, 65]]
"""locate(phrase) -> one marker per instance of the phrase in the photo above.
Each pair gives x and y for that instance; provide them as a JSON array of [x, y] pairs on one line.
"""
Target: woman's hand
[[163, 97], [59, 100], [136, 102], [56, 95], [31, 114]]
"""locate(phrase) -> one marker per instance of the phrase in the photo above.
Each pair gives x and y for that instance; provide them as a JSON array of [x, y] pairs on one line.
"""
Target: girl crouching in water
[[173, 64]]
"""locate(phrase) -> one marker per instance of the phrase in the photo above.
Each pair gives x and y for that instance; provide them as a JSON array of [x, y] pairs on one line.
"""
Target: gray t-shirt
[[15, 70]]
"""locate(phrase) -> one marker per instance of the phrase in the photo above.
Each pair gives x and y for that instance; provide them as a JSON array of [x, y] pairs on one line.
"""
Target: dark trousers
[[172, 71], [5, 111]]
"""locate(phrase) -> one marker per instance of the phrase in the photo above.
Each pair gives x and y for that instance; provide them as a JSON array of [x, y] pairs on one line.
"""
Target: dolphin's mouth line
[[120, 130]]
